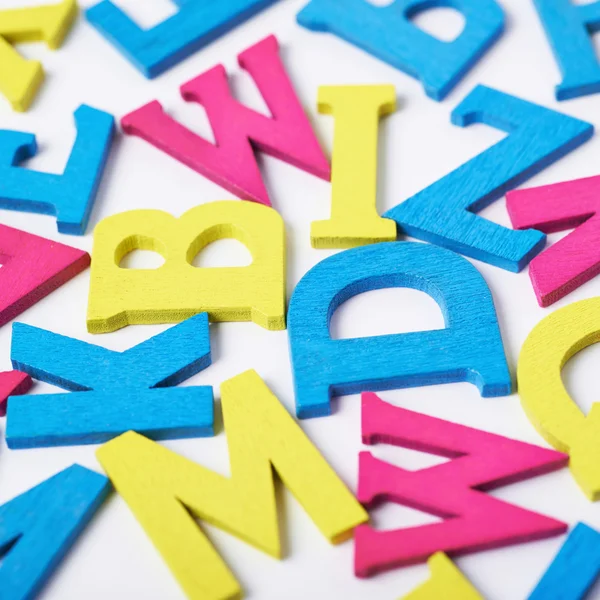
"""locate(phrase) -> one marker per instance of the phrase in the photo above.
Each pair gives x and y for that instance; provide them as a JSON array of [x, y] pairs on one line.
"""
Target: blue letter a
[[38, 528]]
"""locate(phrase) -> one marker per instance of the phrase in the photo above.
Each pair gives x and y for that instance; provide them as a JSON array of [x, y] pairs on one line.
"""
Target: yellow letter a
[[178, 290], [544, 396], [20, 78], [158, 485]]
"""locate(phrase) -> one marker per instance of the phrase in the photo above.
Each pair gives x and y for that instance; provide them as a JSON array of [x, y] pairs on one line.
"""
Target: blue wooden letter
[[443, 213], [69, 196], [113, 392], [468, 349], [38, 528], [195, 25], [569, 29], [388, 33], [574, 569]]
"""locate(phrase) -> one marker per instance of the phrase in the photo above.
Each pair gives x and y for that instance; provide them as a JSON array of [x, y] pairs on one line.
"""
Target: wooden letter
[[238, 130], [178, 290], [537, 137], [161, 487], [388, 33], [468, 349], [454, 490], [569, 28], [446, 582], [69, 196], [544, 397], [38, 528], [20, 79], [12, 383], [574, 569], [574, 260], [112, 392], [354, 219], [32, 268], [196, 24]]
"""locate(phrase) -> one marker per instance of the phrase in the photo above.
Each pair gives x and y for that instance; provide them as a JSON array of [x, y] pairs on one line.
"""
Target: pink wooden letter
[[32, 267], [238, 130], [454, 491], [12, 383], [573, 260]]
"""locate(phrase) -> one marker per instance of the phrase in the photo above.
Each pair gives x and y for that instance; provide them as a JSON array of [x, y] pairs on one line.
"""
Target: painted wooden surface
[[574, 569], [455, 490], [196, 24], [544, 397], [569, 28], [537, 137], [111, 392], [32, 268], [69, 196], [38, 528], [12, 383], [160, 488], [388, 33], [354, 219], [573, 260], [238, 130], [468, 349], [175, 291], [446, 582], [20, 79]]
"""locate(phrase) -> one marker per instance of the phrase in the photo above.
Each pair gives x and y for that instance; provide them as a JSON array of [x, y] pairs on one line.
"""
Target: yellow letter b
[[177, 290]]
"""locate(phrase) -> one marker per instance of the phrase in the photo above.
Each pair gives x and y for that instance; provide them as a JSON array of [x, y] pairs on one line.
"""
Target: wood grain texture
[[388, 33], [569, 28], [38, 528], [446, 582], [176, 290], [544, 397], [160, 488], [69, 196], [468, 349], [455, 491], [573, 260], [32, 268], [354, 219], [12, 383], [196, 24], [237, 129], [574, 569], [537, 137], [112, 392], [20, 79]]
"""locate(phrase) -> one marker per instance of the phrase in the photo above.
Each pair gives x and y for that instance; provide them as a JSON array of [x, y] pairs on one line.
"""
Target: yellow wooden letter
[[543, 394], [446, 582], [354, 220], [177, 290], [158, 485], [20, 79]]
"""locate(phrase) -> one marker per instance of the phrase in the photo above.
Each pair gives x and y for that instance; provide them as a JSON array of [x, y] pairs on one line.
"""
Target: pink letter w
[[454, 491], [238, 130]]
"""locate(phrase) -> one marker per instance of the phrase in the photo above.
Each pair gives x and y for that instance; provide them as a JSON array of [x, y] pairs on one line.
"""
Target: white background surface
[[114, 558]]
